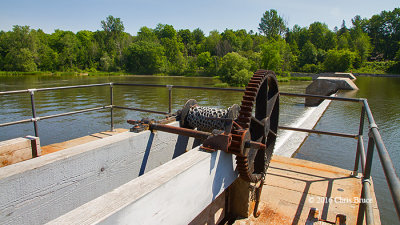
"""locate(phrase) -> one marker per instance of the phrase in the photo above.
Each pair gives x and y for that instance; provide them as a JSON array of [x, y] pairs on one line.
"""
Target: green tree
[[247, 44], [308, 55], [165, 31], [241, 78], [198, 35], [145, 57], [297, 36], [115, 41], [339, 60], [69, 51], [106, 62], [20, 60], [19, 49], [344, 41], [113, 26], [186, 37], [318, 32], [211, 43], [384, 31], [204, 60], [173, 49], [231, 64], [272, 25], [88, 49], [233, 42], [146, 34], [343, 29], [362, 47], [276, 56], [330, 41]]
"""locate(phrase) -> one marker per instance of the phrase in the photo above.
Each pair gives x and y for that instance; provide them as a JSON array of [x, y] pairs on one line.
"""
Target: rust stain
[[271, 216]]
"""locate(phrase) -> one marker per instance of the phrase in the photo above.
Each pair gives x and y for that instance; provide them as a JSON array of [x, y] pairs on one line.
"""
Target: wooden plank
[[41, 189], [78, 141], [17, 150], [294, 186], [174, 193], [14, 145]]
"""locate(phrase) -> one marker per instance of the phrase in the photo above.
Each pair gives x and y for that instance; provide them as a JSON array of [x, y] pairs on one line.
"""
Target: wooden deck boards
[[294, 186]]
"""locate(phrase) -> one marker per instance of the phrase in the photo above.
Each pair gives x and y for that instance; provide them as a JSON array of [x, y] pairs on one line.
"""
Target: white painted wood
[[174, 193], [41, 189]]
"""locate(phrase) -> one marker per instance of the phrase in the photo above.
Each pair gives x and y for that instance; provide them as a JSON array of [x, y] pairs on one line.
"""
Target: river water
[[382, 94]]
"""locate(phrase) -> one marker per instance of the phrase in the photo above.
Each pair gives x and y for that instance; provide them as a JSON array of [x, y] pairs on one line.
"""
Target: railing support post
[[169, 98], [361, 208], [370, 154], [365, 204], [112, 106], [34, 119], [360, 133]]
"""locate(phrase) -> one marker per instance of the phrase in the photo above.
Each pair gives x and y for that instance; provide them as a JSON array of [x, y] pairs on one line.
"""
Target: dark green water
[[382, 94]]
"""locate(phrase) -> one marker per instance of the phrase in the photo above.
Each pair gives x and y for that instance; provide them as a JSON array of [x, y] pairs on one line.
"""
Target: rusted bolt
[[340, 219], [102, 169]]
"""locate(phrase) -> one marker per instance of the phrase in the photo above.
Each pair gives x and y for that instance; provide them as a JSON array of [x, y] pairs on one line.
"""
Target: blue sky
[[75, 15]]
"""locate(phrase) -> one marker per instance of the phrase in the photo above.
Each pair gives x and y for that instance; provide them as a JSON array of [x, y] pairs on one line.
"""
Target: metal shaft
[[181, 131]]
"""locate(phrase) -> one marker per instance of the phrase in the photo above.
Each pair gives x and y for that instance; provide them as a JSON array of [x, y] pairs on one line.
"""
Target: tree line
[[231, 54]]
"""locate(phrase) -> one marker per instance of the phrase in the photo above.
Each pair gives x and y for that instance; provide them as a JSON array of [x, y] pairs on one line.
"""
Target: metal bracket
[[373, 125], [219, 140], [35, 119], [140, 125], [32, 91]]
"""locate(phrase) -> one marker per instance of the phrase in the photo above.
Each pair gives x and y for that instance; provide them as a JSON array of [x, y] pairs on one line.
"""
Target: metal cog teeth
[[244, 120]]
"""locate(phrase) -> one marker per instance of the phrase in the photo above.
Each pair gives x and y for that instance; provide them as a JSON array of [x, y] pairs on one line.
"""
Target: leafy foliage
[[234, 69], [272, 25], [368, 45], [145, 57], [339, 60]]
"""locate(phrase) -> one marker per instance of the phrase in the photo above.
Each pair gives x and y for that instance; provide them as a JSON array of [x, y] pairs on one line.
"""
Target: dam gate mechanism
[[248, 131]]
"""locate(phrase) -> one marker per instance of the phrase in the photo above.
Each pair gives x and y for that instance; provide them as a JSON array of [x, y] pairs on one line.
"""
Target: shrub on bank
[[379, 67], [234, 69], [339, 60]]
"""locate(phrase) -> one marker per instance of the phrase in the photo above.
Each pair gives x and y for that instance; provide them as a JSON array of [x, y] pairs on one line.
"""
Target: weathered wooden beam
[[18, 150], [174, 193], [38, 190]]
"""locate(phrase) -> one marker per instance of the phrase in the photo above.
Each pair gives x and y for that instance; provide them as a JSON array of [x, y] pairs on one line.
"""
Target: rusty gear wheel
[[258, 116]]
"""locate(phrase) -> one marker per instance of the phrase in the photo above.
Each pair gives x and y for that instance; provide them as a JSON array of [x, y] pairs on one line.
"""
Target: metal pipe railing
[[16, 122], [390, 173], [141, 110], [360, 135], [321, 97], [375, 139], [112, 107], [35, 125], [319, 132]]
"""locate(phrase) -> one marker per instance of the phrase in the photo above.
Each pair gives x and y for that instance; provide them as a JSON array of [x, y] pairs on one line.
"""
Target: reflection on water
[[383, 98], [17, 107]]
